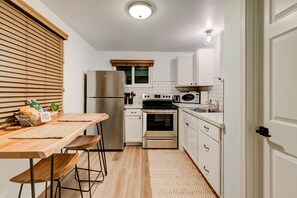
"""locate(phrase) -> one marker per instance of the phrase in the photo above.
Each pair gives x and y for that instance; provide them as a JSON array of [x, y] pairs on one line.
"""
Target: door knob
[[263, 131]]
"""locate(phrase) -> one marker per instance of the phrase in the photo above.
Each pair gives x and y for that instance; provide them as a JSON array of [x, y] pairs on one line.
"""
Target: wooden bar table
[[43, 148]]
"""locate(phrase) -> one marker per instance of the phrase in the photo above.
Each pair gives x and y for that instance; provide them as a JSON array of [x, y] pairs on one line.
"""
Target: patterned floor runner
[[173, 175]]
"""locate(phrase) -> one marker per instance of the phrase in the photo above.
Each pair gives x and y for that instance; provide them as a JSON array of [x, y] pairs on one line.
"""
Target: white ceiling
[[177, 25]]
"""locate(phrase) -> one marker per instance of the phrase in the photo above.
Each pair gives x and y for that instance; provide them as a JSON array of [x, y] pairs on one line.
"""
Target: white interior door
[[280, 98]]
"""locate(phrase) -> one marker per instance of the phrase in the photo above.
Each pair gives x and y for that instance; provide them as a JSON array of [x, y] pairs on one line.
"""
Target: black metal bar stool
[[100, 132], [63, 164], [83, 143]]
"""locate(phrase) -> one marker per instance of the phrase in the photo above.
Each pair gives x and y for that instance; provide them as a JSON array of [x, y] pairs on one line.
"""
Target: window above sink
[[138, 72], [137, 76]]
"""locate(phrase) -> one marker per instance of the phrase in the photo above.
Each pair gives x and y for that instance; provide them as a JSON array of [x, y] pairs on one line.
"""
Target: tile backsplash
[[157, 88], [215, 92]]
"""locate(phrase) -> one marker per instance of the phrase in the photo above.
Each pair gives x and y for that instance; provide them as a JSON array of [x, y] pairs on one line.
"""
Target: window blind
[[31, 63]]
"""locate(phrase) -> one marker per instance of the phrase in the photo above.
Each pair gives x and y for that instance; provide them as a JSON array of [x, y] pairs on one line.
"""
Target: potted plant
[[54, 108]]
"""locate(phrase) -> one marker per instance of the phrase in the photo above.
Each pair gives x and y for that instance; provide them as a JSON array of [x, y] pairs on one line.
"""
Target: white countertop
[[213, 118], [133, 106]]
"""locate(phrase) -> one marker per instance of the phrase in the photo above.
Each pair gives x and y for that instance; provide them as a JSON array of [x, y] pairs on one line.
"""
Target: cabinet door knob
[[206, 128], [206, 148], [191, 83], [187, 123], [204, 167], [139, 117]]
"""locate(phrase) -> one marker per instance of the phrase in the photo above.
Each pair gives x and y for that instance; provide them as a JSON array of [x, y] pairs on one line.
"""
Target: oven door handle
[[159, 111], [164, 140]]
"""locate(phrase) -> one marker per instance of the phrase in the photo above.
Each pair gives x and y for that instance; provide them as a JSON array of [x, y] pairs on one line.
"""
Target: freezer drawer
[[160, 143], [113, 128]]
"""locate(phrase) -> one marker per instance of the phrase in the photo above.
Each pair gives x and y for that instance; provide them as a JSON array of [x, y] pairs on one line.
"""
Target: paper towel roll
[[204, 97]]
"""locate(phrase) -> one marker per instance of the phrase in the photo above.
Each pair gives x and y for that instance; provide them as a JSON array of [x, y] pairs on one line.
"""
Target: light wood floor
[[128, 175]]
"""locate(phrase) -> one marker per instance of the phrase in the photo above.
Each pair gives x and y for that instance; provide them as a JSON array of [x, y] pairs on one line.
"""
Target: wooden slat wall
[[31, 63]]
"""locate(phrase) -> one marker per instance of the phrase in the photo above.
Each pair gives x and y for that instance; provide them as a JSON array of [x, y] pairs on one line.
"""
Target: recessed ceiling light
[[140, 9]]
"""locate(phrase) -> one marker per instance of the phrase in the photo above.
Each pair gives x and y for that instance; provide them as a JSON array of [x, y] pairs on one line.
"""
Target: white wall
[[163, 67], [216, 92], [79, 55], [218, 53], [234, 89]]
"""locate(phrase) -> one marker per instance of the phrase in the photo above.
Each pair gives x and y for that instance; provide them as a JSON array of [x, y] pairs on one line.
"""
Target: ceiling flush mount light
[[140, 9], [209, 39]]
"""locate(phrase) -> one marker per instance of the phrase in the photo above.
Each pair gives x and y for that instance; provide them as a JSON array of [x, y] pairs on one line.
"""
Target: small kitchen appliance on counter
[[129, 98], [126, 99], [190, 97], [203, 97], [159, 121], [176, 98]]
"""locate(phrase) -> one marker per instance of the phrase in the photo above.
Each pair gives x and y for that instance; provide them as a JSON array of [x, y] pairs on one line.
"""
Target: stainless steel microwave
[[190, 97]]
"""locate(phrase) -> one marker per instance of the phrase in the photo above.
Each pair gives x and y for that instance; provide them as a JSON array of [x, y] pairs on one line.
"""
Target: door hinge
[[263, 131]]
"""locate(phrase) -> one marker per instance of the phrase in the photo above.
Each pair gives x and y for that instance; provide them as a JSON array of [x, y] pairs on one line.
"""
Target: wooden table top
[[38, 148]]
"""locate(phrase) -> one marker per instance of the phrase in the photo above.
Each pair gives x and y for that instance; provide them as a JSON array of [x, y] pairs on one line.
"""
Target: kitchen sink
[[206, 110]]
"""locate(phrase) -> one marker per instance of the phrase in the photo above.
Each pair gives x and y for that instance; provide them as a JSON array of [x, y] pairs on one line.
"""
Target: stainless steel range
[[159, 121]]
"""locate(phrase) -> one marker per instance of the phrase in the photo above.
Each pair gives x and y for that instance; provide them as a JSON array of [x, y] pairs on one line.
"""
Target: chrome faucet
[[217, 105]]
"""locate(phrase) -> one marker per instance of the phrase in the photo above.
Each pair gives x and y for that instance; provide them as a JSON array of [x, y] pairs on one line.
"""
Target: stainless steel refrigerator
[[105, 94]]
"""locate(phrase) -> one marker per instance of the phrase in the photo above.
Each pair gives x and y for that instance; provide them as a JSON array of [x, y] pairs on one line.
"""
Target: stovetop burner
[[157, 101], [159, 107]]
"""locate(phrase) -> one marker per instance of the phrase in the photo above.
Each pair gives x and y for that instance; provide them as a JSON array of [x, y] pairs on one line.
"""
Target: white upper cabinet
[[195, 69], [203, 67], [185, 70]]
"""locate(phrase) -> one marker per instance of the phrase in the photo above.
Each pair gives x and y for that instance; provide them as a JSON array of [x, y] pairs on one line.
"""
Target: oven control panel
[[157, 97]]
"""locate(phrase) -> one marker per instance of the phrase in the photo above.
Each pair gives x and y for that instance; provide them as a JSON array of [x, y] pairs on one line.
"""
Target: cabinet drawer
[[209, 148], [191, 119], [133, 112], [210, 130], [211, 173]]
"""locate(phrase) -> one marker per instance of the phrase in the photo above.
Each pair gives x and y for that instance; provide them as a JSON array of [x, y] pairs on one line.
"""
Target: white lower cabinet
[[186, 135], [181, 131], [202, 142], [191, 136], [210, 172], [209, 160], [210, 130], [193, 142], [133, 126], [209, 148]]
